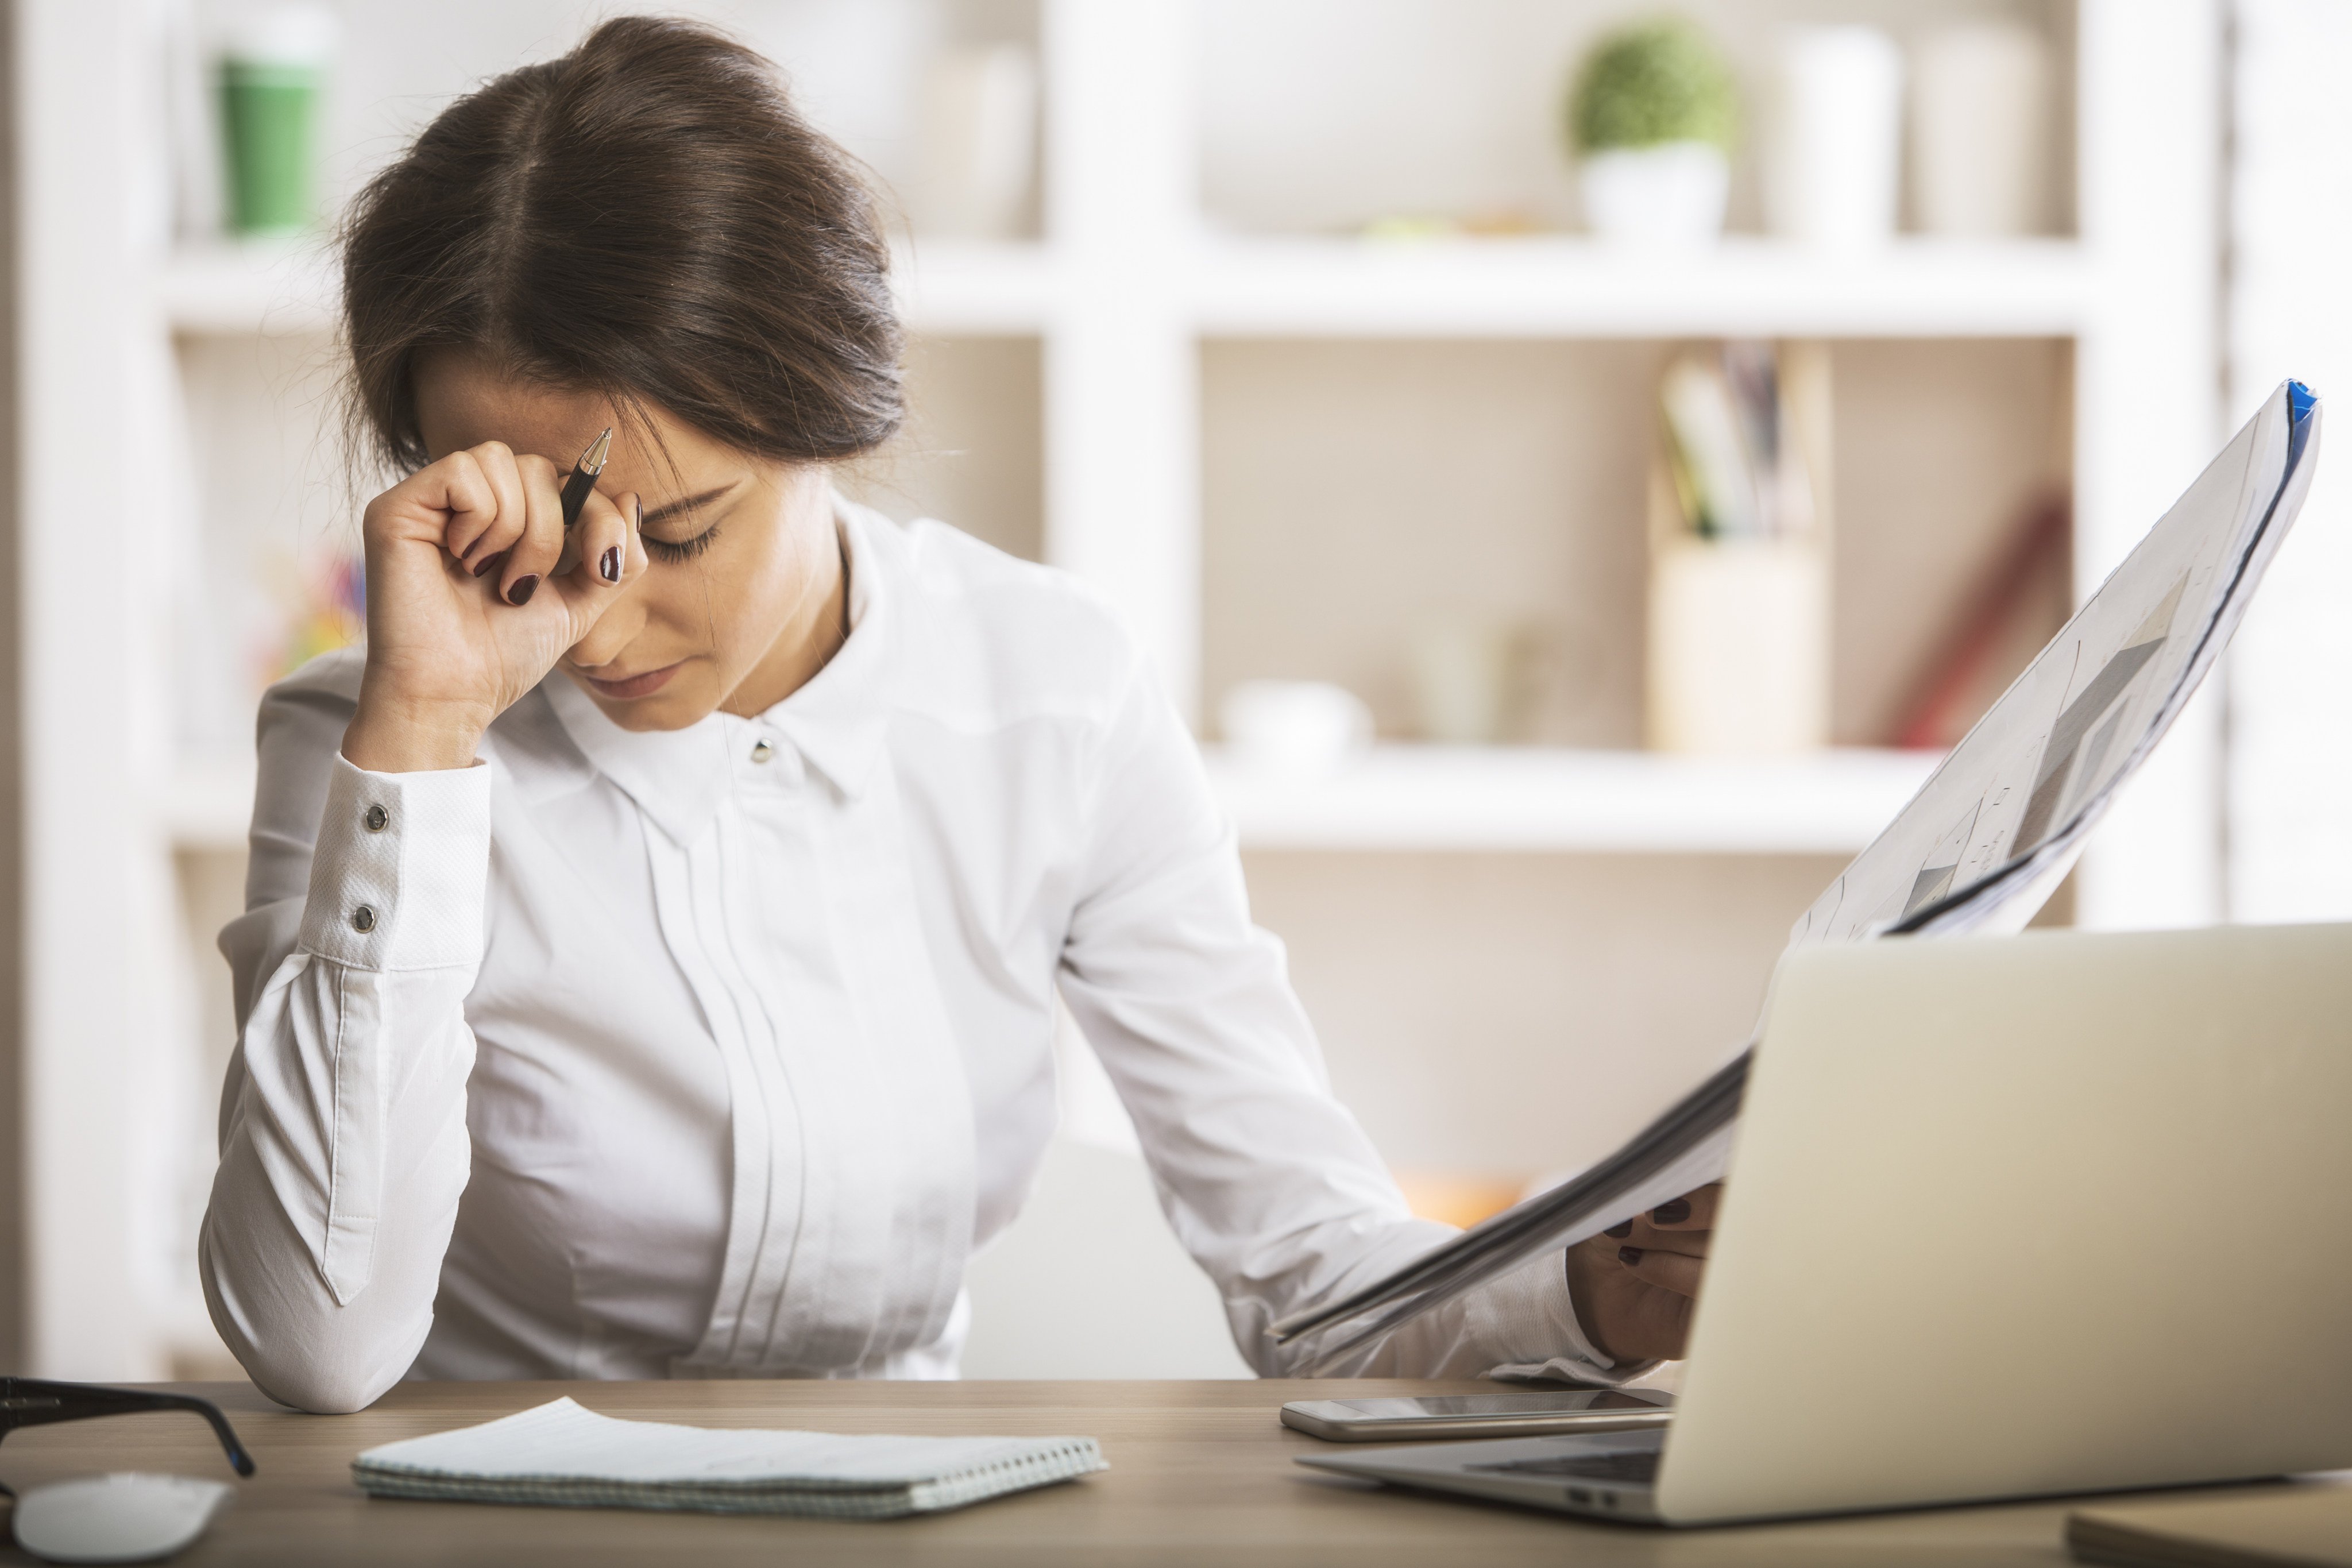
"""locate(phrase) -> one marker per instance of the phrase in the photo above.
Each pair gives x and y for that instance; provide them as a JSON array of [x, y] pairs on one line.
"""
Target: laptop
[[2008, 1217]]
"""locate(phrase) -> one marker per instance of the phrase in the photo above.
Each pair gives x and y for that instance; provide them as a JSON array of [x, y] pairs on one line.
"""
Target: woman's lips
[[632, 685]]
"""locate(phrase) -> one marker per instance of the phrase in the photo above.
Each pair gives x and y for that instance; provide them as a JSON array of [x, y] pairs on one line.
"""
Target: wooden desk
[[1201, 1473]]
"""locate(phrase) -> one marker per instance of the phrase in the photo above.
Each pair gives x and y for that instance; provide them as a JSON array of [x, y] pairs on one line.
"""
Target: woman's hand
[[465, 607], [1634, 1284]]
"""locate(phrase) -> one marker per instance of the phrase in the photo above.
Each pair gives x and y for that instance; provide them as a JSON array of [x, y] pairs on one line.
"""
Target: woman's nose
[[610, 637]]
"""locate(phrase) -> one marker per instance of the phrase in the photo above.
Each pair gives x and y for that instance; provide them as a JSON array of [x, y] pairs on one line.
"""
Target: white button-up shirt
[[715, 1052]]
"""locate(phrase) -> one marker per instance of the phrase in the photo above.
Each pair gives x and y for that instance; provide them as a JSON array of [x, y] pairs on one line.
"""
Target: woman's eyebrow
[[671, 509]]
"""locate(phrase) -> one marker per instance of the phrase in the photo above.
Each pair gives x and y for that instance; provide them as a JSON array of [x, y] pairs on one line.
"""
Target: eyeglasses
[[121, 1518], [35, 1401]]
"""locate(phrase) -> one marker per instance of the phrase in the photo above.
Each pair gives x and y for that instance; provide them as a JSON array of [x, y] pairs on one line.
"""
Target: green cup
[[270, 113]]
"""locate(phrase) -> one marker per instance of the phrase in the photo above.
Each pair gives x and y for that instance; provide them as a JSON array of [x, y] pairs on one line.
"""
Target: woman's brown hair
[[647, 218]]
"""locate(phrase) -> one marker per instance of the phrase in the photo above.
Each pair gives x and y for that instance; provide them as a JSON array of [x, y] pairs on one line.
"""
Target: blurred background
[[1575, 463]]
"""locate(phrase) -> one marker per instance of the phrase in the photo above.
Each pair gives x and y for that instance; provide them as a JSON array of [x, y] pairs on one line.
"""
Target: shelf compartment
[[1408, 797]]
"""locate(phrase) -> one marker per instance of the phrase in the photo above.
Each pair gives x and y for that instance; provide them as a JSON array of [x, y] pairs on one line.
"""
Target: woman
[[652, 940]]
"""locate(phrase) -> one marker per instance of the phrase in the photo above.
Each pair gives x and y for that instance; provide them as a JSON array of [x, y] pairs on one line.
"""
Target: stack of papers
[[561, 1454], [1988, 837]]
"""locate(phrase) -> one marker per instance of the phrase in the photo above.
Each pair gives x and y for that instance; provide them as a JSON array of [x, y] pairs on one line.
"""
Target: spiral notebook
[[561, 1454]]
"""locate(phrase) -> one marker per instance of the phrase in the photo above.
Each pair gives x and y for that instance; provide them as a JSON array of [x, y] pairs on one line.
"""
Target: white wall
[[88, 1016], [2146, 413], [2290, 315]]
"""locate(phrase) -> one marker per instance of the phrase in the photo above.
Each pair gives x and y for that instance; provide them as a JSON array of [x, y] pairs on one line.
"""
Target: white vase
[[1466, 674], [1667, 197], [979, 125], [1834, 161], [1980, 154]]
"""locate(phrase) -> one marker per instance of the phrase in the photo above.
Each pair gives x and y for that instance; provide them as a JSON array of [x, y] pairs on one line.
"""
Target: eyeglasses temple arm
[[36, 1401]]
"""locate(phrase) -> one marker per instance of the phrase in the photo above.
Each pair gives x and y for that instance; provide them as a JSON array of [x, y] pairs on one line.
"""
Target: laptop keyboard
[[1638, 1466]]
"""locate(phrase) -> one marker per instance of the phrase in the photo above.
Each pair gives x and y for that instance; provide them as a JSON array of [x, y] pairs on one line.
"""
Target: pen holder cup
[[1738, 647]]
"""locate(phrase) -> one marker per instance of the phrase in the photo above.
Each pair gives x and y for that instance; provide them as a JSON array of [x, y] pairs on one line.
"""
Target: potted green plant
[[1650, 120]]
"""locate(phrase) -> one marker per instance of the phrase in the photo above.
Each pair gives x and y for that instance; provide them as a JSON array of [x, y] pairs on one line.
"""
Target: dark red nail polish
[[609, 564], [1620, 1231], [641, 514], [1629, 1256], [1671, 1213], [490, 564], [524, 587]]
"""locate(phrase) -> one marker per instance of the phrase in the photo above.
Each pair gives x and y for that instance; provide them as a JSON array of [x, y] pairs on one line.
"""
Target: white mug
[[1295, 727]]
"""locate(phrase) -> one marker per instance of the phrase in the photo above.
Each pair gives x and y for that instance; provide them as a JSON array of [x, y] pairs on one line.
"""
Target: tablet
[[1515, 1415]]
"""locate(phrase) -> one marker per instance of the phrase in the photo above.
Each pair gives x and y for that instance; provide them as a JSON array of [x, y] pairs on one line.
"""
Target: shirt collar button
[[761, 751]]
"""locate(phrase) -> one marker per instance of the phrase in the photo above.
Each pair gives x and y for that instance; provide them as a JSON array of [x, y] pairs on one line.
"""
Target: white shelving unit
[[1529, 799], [1534, 287], [1121, 294]]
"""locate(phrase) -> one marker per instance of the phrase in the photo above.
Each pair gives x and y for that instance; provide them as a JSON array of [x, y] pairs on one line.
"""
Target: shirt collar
[[838, 721]]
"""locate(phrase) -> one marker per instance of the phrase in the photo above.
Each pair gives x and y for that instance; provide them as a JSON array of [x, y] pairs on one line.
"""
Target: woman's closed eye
[[681, 549], [683, 511]]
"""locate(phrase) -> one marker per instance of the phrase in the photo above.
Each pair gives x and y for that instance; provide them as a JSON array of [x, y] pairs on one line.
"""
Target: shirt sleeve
[[343, 1138], [1267, 1178]]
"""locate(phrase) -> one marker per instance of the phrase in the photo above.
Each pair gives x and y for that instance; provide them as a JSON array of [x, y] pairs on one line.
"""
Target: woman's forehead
[[464, 399]]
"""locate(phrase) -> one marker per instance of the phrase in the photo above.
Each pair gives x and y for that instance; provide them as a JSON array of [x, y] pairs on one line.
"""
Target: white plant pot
[[1667, 197]]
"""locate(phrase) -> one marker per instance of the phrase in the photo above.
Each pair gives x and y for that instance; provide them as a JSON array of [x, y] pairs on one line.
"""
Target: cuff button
[[363, 919], [377, 819]]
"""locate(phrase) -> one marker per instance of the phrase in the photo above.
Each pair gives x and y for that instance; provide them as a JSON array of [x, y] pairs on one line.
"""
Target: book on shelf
[[2000, 621], [1735, 457]]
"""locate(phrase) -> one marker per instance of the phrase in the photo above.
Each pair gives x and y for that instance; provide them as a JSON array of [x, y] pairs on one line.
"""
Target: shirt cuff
[[399, 872], [1543, 1281]]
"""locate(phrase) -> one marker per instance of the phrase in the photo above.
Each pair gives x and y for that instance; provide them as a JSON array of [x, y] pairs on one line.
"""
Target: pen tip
[[593, 459]]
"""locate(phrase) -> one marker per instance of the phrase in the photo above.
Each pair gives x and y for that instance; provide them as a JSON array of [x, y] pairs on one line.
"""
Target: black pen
[[583, 476]]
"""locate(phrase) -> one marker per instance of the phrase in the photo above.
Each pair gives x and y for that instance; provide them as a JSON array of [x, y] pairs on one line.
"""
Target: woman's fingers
[[537, 546], [609, 557], [1635, 1297], [477, 539], [1675, 1271], [1692, 1211]]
